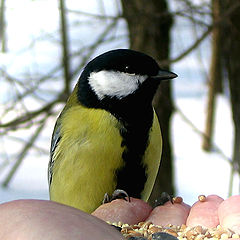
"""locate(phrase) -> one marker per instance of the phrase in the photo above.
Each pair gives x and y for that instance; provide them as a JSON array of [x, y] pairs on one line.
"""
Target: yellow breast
[[85, 159], [88, 155], [152, 157]]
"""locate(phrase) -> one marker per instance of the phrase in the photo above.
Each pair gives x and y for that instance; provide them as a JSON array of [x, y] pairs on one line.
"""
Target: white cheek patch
[[114, 84]]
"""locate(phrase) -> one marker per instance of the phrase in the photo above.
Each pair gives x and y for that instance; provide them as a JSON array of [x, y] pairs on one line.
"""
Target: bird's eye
[[126, 68]]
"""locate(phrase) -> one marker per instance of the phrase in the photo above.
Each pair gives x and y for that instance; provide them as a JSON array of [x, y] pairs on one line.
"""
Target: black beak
[[164, 75]]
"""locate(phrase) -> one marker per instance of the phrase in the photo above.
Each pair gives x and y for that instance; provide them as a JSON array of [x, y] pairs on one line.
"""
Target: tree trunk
[[215, 78], [3, 27], [233, 66], [149, 30]]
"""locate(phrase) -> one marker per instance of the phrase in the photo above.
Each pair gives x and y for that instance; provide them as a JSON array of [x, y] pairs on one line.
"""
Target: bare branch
[[30, 115], [3, 27], [97, 16], [230, 187], [23, 141], [93, 47], [216, 148], [21, 96], [65, 47], [22, 155], [202, 37], [193, 19]]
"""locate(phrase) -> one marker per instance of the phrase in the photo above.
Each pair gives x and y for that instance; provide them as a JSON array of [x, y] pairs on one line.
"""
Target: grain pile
[[146, 230]]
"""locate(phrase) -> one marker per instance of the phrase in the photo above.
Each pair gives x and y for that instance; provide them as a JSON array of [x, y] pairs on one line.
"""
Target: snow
[[30, 181], [196, 172]]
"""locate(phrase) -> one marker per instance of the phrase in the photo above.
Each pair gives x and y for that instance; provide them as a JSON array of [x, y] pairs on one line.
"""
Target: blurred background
[[45, 44]]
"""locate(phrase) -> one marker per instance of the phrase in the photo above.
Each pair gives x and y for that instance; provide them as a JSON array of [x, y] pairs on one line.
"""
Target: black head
[[124, 60], [120, 76]]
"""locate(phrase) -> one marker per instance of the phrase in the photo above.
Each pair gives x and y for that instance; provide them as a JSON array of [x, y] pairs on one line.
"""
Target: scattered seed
[[202, 198], [172, 232], [146, 230], [177, 200], [199, 237], [154, 229], [132, 232], [199, 230]]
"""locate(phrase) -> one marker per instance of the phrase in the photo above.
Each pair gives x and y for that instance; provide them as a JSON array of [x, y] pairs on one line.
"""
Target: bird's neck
[[134, 111]]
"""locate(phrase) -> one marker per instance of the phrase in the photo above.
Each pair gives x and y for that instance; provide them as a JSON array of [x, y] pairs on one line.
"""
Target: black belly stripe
[[132, 176]]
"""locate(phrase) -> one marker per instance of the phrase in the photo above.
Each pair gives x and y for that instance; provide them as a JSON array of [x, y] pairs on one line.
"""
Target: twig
[[216, 148], [93, 47], [5, 161], [230, 188], [202, 37], [30, 90], [3, 26], [22, 155], [30, 115], [98, 16], [65, 47], [199, 22], [37, 148]]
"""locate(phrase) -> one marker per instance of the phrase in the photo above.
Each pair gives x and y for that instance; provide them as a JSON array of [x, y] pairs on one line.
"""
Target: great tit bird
[[108, 137]]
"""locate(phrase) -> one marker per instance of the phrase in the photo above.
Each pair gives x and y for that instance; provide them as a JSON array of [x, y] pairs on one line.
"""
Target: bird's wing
[[54, 143]]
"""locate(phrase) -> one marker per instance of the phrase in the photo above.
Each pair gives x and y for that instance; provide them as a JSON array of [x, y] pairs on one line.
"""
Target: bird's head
[[122, 77]]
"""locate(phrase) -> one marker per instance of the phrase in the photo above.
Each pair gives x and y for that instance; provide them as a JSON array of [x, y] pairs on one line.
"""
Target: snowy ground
[[198, 172]]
